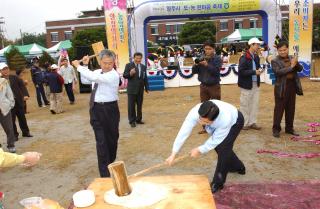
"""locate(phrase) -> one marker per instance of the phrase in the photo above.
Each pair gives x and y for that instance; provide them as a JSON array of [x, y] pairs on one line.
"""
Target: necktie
[[93, 94], [138, 65]]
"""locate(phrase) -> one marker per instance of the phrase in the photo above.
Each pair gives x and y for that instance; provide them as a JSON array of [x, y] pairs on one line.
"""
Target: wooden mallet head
[[119, 178]]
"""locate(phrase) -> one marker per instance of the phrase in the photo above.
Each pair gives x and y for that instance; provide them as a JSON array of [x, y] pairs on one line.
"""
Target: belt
[[105, 103]]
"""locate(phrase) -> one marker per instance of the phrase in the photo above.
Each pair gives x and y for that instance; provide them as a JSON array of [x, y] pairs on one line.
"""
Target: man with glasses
[[223, 122], [104, 110]]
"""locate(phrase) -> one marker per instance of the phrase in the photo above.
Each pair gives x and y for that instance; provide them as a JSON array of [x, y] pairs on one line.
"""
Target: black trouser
[[18, 111], [227, 159], [6, 123], [104, 119], [286, 104], [40, 93], [133, 101], [69, 91]]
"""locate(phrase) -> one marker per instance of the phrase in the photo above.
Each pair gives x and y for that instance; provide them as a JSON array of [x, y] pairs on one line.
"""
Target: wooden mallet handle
[[90, 57], [178, 159]]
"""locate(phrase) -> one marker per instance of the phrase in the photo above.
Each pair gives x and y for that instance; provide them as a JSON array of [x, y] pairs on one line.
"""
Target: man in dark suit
[[20, 95], [136, 73]]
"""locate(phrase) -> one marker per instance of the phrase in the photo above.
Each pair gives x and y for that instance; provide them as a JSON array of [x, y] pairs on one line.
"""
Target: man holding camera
[[249, 83], [208, 69]]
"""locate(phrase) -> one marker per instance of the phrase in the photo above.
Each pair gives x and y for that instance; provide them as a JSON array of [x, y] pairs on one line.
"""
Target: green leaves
[[197, 32], [15, 59]]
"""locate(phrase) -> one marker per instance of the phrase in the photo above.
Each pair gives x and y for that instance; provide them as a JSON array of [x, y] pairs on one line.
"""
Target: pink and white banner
[[117, 30]]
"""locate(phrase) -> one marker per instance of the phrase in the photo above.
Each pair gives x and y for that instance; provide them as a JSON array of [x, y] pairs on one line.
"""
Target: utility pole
[[21, 37], [2, 32]]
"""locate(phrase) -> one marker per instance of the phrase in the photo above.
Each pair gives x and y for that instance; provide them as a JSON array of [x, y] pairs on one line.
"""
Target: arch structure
[[145, 11]]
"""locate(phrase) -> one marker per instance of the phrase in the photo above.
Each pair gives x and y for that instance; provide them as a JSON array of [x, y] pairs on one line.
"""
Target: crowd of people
[[222, 121], [48, 82]]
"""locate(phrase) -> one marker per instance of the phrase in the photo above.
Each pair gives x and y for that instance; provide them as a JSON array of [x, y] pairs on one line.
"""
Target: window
[[68, 35], [177, 28], [253, 23], [54, 37], [237, 25], [168, 29], [154, 30], [224, 26]]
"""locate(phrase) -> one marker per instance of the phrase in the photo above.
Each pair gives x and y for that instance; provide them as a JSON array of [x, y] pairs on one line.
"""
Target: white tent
[[235, 36], [61, 45], [4, 50]]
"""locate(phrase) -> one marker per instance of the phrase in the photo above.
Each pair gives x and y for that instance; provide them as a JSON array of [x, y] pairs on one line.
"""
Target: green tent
[[29, 49], [242, 35]]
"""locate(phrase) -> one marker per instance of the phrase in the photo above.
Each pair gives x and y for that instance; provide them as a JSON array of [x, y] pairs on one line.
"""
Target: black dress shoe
[[140, 122], [215, 188], [27, 135], [276, 134], [133, 125], [293, 133], [242, 171], [53, 112]]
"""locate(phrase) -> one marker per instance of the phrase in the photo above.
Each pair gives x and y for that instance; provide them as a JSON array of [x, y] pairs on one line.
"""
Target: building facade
[[166, 31], [60, 30]]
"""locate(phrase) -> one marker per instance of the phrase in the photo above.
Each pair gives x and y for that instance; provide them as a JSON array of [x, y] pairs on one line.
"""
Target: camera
[[199, 59]]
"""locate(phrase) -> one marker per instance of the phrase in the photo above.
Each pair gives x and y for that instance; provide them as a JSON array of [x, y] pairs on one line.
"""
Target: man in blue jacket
[[38, 79], [249, 83], [55, 82]]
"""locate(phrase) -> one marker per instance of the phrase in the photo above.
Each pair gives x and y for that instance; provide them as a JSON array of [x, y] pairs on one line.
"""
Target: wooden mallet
[[120, 179], [178, 159], [97, 48]]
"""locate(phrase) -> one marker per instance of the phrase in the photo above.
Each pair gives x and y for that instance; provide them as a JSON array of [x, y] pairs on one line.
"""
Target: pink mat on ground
[[267, 195]]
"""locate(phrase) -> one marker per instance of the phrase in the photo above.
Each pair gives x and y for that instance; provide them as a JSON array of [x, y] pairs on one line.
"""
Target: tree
[[316, 29], [15, 59], [46, 59], [84, 39], [6, 42], [29, 38], [285, 29], [197, 32]]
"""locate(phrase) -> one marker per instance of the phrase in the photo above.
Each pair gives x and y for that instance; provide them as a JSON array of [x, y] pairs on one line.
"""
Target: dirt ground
[[69, 159]]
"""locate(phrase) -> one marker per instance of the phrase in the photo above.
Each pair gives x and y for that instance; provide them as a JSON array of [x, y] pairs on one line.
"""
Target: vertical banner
[[117, 30], [300, 32]]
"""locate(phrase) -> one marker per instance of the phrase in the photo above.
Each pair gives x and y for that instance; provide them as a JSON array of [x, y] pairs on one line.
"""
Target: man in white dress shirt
[[104, 110], [69, 77], [223, 123]]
